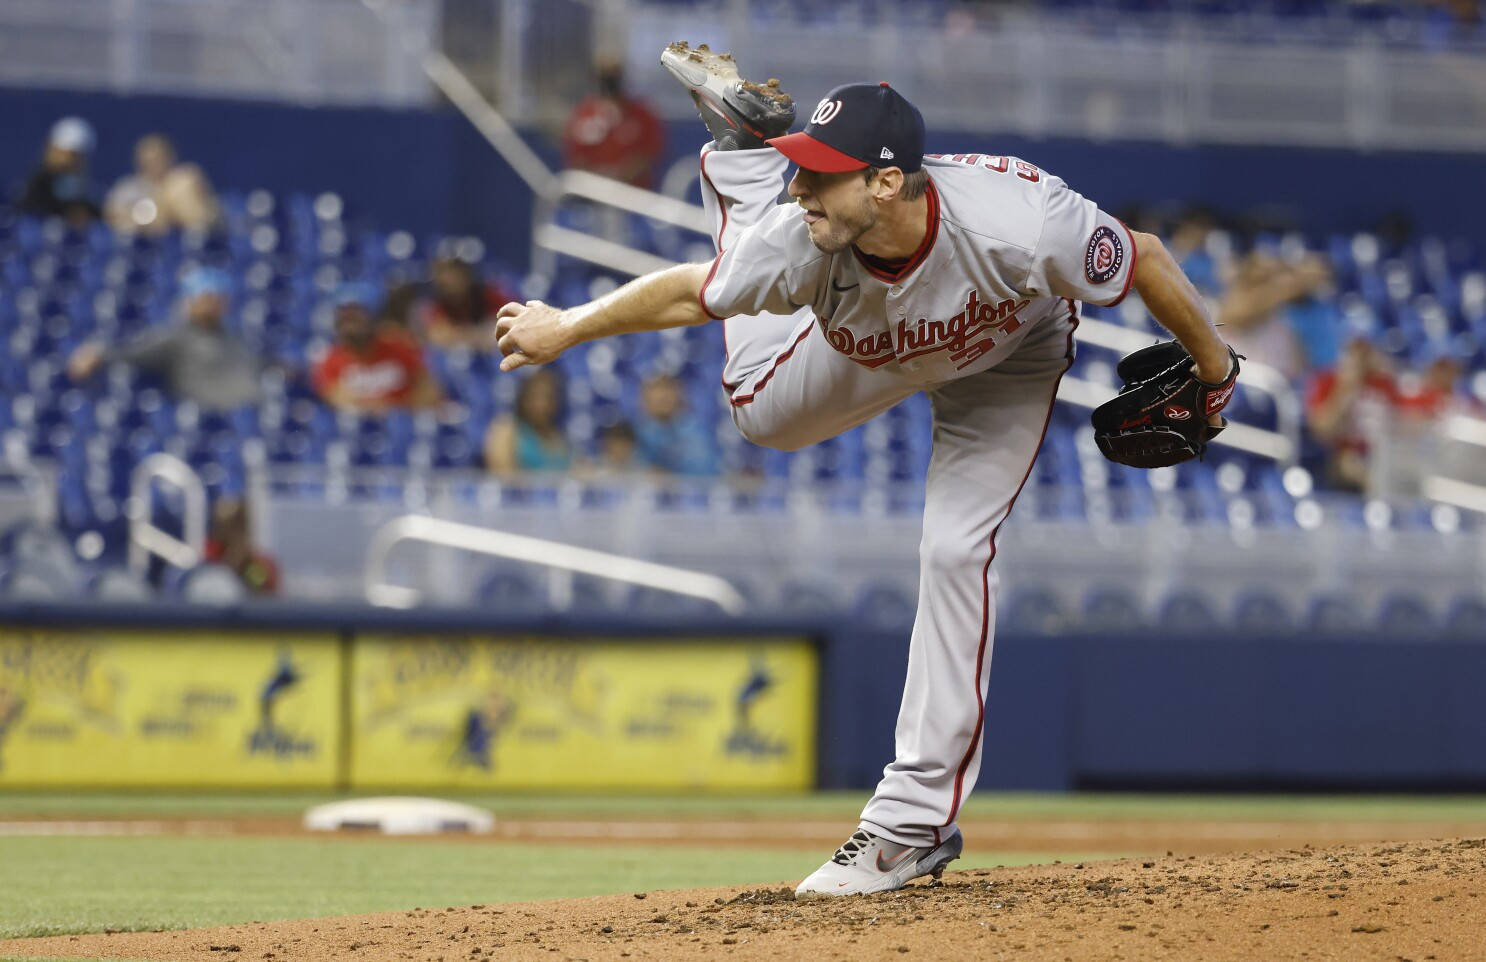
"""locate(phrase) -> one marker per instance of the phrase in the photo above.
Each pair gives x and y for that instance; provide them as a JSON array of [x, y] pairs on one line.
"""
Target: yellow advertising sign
[[114, 708], [470, 712]]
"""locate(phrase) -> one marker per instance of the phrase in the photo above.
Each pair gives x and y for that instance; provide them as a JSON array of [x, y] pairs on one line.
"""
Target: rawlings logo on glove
[[1150, 423]]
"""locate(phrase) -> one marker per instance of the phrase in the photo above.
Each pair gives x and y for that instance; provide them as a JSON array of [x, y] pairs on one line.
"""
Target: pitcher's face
[[839, 208]]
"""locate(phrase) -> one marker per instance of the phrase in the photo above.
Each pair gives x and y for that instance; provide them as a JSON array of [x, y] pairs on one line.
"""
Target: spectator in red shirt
[[462, 312], [1435, 393], [1347, 403], [613, 134], [369, 370], [230, 543]]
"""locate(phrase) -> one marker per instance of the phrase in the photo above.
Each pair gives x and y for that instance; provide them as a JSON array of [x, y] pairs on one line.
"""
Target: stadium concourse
[[288, 256]]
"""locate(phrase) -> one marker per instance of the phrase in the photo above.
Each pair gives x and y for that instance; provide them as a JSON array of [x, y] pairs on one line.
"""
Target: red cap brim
[[811, 154]]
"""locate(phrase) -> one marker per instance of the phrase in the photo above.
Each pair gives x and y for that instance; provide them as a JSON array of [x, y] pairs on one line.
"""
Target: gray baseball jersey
[[1007, 246], [981, 320]]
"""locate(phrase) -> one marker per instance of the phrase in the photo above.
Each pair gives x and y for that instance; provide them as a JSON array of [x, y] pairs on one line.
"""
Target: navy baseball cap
[[858, 126]]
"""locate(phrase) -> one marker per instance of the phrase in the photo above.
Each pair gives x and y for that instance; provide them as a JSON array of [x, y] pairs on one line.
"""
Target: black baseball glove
[[1160, 416]]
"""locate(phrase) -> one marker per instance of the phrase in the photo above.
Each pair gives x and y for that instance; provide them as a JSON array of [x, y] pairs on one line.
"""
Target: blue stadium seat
[[808, 598], [1038, 610], [513, 590], [1406, 615], [1188, 610], [1110, 609], [1262, 611], [886, 606], [1466, 618]]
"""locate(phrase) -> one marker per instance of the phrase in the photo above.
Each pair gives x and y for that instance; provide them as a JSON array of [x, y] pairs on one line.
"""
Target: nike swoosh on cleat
[[898, 860]]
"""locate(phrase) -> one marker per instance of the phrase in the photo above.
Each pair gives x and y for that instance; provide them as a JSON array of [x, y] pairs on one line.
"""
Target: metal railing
[[40, 486], [145, 537], [565, 560], [1438, 486]]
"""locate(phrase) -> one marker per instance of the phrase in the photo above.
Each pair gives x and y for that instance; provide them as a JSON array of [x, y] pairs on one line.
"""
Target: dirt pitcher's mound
[[1416, 901]]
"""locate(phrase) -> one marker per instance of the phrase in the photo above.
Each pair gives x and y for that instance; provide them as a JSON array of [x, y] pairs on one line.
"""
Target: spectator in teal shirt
[[669, 437], [531, 437]]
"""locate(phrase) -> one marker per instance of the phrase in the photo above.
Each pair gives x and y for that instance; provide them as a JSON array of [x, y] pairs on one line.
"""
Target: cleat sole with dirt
[[740, 114]]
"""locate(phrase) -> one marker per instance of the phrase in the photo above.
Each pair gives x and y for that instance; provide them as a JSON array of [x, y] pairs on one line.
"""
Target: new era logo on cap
[[858, 126]]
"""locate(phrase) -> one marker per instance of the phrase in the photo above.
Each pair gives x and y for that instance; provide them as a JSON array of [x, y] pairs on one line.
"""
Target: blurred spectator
[[397, 311], [1188, 244], [618, 452], [230, 543], [370, 369], [1346, 406], [1435, 393], [1267, 313], [531, 437], [162, 194], [199, 359], [669, 437], [61, 185], [462, 312], [613, 134]]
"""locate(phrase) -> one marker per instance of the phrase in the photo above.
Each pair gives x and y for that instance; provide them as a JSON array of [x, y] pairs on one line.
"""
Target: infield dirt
[[1414, 901]]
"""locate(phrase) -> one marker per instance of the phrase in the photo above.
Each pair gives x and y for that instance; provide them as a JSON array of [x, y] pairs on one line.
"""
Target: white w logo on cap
[[825, 112]]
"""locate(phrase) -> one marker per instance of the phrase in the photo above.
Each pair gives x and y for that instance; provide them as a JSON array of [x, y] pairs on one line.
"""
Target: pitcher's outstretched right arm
[[535, 333]]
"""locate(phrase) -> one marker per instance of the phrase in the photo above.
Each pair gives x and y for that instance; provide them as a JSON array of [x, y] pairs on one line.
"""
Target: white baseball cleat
[[869, 863], [739, 113]]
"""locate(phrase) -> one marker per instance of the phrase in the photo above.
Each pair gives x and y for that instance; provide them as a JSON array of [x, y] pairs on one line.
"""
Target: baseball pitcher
[[893, 273]]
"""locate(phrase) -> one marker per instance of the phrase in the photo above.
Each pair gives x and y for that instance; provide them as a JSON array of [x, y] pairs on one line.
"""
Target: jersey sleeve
[[1083, 252], [754, 276]]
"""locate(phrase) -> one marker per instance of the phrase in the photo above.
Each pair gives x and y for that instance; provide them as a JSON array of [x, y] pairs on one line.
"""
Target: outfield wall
[[322, 697]]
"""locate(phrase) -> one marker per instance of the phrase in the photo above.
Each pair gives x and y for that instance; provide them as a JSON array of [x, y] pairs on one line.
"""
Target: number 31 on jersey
[[1000, 165]]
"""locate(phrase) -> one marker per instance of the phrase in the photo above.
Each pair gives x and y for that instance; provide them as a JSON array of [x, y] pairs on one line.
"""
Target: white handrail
[[145, 537], [1466, 429], [595, 250], [39, 487], [1461, 494], [637, 200], [553, 554]]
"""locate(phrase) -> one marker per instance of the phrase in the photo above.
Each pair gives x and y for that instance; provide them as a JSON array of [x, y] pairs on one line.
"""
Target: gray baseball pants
[[789, 389]]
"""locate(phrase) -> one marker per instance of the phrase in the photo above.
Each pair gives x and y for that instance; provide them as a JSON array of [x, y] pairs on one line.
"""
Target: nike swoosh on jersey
[[841, 290]]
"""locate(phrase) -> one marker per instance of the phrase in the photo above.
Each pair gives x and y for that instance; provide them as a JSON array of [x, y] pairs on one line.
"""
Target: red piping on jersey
[[930, 232], [985, 587], [702, 294], [1129, 277], [740, 400], [702, 291]]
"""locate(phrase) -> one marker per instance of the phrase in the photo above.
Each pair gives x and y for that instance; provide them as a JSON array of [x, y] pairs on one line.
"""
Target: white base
[[399, 816]]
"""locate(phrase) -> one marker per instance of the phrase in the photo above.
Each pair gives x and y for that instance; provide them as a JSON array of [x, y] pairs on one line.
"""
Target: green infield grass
[[67, 885]]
